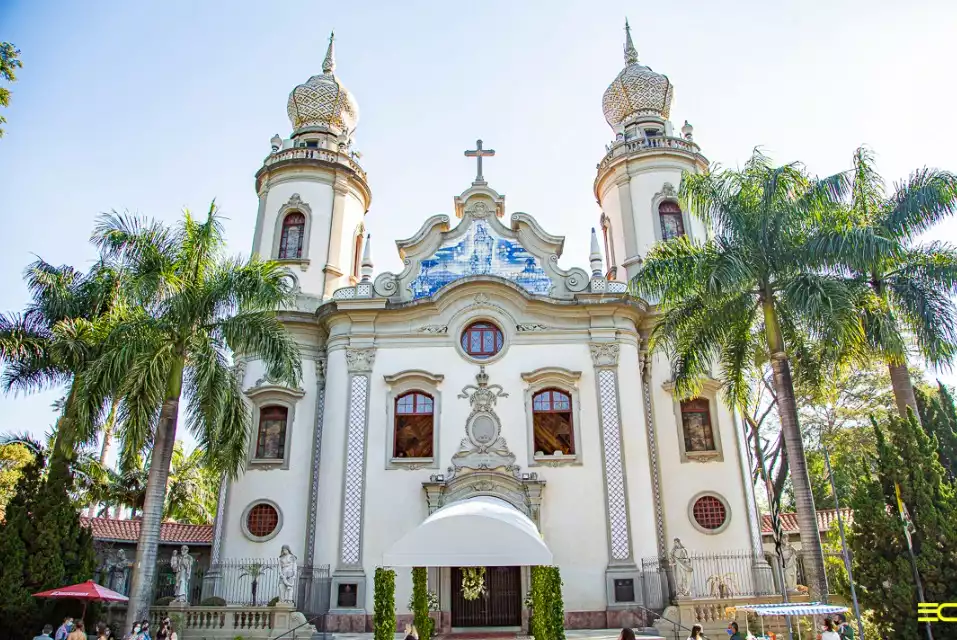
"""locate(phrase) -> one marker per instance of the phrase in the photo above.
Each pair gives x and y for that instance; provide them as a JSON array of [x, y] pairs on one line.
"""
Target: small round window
[[710, 513], [262, 520], [482, 340]]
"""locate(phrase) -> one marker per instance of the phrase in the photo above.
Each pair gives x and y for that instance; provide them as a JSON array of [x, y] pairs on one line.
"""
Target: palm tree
[[907, 289], [747, 297], [192, 305], [43, 347]]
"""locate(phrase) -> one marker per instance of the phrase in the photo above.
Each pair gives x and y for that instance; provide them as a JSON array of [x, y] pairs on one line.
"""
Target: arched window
[[482, 340], [271, 440], [413, 425], [552, 423], [696, 425], [672, 223], [293, 231]]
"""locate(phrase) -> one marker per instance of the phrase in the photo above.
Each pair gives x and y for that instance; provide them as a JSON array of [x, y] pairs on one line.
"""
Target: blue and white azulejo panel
[[480, 252]]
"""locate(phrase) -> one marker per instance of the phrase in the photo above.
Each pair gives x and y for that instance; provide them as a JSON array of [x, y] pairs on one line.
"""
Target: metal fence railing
[[732, 574]]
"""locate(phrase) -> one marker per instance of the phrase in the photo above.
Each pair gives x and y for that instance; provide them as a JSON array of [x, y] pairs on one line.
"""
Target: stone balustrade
[[312, 153], [654, 143], [229, 622]]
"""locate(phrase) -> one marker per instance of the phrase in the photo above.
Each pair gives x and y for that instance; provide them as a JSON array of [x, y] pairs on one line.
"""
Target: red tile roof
[[824, 519], [129, 531]]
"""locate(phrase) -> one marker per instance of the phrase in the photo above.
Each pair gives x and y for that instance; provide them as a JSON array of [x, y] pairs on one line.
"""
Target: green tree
[[17, 606], [939, 415], [49, 345], [906, 289], [750, 294], [9, 63], [190, 306], [13, 458], [906, 456]]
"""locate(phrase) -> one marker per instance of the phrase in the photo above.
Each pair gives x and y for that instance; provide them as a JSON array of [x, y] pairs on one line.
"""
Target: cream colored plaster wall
[[573, 516], [273, 484], [644, 185], [317, 192], [682, 481]]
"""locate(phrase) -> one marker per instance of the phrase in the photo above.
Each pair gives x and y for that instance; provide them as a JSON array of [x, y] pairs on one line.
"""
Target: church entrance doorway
[[501, 606]]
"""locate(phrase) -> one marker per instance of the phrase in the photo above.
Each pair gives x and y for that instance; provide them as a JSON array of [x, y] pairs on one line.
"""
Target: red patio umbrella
[[86, 592]]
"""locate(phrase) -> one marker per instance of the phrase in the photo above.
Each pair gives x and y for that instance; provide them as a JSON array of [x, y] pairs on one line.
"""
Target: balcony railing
[[653, 143], [310, 153]]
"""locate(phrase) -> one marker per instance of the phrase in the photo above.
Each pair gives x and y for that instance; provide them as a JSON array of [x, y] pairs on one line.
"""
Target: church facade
[[484, 370]]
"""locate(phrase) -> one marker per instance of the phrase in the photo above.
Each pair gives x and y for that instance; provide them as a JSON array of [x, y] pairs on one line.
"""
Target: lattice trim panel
[[351, 544], [614, 471]]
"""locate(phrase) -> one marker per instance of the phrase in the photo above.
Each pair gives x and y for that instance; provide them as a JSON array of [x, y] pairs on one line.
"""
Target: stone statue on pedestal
[[789, 555], [182, 565], [684, 571], [288, 575]]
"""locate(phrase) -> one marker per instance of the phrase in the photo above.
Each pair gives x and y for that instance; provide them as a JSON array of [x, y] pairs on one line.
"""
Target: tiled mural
[[480, 252]]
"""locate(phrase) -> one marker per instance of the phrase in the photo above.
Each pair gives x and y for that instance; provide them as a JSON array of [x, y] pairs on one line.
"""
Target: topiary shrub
[[214, 601], [420, 603], [547, 610], [556, 605], [384, 611], [273, 602], [164, 602]]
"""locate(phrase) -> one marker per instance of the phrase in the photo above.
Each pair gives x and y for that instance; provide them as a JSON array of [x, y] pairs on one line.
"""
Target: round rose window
[[262, 520], [482, 340], [710, 513]]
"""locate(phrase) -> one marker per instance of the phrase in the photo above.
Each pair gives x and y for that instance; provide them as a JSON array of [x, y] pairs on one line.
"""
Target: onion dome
[[637, 90], [322, 103]]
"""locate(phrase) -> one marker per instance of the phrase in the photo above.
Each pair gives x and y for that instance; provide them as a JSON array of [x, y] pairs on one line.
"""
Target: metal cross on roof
[[478, 153]]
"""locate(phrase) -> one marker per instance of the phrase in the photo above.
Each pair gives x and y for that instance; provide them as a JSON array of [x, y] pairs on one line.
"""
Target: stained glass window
[[696, 425], [414, 424], [552, 423], [672, 224], [290, 242], [482, 340], [271, 443]]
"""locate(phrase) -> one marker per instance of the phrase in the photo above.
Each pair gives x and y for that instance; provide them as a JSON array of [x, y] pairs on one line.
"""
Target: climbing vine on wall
[[384, 612]]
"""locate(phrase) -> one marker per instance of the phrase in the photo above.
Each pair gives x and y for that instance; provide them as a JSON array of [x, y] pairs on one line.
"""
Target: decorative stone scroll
[[359, 363], [484, 447], [605, 359]]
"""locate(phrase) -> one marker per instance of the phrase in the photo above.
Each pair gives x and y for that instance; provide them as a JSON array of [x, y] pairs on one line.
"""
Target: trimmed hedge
[[383, 621], [420, 603], [547, 619]]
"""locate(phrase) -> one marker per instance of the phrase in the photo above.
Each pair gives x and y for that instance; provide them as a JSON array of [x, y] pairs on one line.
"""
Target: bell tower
[[313, 194], [637, 182]]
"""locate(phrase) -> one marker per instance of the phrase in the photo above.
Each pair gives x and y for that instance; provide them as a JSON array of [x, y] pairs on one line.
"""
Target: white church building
[[484, 379]]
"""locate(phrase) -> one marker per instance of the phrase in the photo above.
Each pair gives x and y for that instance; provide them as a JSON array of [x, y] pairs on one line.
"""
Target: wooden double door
[[501, 606]]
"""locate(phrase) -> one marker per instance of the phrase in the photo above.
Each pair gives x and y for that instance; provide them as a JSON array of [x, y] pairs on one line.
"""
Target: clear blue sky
[[153, 106]]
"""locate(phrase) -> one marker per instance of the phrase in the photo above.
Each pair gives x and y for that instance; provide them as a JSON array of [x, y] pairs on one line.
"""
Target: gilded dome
[[322, 101], [636, 91]]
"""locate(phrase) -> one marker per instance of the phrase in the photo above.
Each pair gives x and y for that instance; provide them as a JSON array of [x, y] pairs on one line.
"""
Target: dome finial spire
[[631, 54], [329, 63]]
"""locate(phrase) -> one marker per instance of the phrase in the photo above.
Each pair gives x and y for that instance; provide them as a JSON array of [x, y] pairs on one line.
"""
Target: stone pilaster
[[309, 552], [621, 561], [654, 467], [334, 267], [212, 576], [349, 572]]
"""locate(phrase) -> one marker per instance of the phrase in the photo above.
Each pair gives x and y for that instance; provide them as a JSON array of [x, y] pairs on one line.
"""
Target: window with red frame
[[672, 224], [482, 340], [414, 425], [293, 231], [709, 512], [262, 520], [271, 441], [552, 423]]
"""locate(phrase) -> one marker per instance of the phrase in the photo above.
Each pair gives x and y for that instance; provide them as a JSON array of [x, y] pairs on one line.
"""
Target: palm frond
[[925, 199]]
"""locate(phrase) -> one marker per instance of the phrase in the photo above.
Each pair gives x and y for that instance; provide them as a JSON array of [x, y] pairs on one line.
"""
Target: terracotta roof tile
[[790, 525], [129, 531]]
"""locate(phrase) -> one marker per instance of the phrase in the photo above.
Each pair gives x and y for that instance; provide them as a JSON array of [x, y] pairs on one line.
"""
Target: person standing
[[695, 633], [829, 633], [145, 630], [46, 633], [733, 632], [64, 629], [135, 633], [78, 633], [845, 630], [166, 631]]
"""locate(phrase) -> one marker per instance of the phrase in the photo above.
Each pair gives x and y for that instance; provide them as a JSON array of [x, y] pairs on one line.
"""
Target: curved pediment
[[480, 245]]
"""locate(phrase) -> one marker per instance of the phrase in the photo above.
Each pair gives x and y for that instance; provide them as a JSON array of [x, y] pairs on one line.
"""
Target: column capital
[[360, 360], [604, 354]]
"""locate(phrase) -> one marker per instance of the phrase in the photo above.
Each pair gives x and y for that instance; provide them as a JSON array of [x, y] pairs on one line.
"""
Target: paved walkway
[[571, 634]]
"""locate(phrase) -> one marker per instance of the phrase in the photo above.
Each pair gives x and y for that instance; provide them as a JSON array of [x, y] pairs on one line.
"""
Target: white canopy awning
[[475, 532]]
